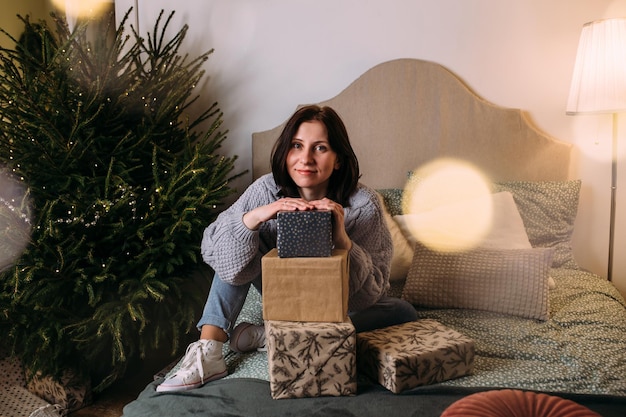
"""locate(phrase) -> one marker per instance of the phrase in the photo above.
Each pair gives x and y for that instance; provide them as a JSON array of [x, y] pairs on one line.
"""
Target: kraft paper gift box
[[311, 359], [416, 353], [304, 233], [305, 289]]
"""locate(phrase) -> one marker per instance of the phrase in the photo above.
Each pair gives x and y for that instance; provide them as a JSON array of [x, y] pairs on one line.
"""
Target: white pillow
[[489, 222]]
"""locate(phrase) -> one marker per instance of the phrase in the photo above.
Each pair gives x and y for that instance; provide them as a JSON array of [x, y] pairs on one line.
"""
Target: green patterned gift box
[[417, 353], [308, 359]]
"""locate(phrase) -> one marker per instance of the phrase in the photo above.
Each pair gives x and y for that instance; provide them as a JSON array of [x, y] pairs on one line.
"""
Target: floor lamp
[[599, 86]]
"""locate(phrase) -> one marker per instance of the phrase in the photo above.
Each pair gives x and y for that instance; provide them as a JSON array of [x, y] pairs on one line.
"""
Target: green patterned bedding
[[580, 349]]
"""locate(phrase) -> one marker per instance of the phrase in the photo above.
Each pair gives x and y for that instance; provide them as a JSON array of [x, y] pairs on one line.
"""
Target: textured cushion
[[507, 281], [516, 403], [491, 221], [548, 209], [402, 250]]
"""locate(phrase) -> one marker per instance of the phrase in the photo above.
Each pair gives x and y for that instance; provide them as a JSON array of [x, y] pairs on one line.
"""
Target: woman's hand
[[341, 240], [254, 218]]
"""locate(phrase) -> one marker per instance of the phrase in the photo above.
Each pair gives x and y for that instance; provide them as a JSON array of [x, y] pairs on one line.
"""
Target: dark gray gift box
[[304, 234]]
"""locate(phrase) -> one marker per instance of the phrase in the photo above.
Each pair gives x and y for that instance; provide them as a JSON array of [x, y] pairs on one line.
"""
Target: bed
[[561, 333]]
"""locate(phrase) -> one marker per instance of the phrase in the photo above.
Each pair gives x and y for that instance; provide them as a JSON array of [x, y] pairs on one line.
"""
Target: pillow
[[506, 281], [491, 221], [392, 199], [507, 228], [402, 250], [516, 403], [548, 209]]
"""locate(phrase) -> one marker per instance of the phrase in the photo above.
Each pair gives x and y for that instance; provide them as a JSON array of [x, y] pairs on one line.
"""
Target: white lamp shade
[[599, 81]]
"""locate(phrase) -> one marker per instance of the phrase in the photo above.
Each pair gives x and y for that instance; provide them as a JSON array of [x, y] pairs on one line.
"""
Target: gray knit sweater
[[235, 252]]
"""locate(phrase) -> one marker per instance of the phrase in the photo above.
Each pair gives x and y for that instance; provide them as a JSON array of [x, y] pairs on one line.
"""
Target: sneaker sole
[[170, 388]]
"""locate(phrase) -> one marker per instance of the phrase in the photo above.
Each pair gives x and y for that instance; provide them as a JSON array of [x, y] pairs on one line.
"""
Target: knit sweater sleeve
[[229, 247], [370, 256]]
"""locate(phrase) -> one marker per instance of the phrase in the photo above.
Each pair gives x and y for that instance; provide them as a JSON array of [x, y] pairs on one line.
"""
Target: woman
[[313, 168]]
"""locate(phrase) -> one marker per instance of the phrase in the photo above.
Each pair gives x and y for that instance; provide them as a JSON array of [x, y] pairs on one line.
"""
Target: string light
[[9, 204]]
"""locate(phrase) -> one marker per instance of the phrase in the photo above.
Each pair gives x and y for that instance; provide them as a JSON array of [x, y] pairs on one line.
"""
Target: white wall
[[271, 55]]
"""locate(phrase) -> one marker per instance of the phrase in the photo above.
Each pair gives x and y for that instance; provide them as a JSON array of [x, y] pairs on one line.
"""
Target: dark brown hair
[[343, 181]]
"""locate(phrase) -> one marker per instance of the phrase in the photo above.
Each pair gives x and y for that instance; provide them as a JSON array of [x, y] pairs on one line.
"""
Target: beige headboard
[[403, 113]]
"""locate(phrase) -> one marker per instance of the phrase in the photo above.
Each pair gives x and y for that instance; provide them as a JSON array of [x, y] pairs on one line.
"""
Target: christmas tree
[[119, 183]]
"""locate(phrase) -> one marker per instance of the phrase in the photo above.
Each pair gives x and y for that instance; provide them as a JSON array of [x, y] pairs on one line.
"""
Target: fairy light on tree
[[121, 181]]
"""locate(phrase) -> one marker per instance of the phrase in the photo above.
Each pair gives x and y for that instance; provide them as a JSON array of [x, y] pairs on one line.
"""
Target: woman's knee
[[406, 310]]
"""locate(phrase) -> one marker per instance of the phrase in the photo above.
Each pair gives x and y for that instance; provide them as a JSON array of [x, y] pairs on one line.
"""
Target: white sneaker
[[203, 362], [247, 337]]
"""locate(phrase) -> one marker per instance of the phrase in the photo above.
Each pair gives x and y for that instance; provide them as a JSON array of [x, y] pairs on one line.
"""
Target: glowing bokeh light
[[447, 205], [14, 221], [82, 8]]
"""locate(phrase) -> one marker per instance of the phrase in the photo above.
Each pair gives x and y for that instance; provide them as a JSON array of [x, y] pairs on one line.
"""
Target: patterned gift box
[[16, 401], [21, 395], [70, 393], [311, 359], [417, 353], [304, 234], [305, 289]]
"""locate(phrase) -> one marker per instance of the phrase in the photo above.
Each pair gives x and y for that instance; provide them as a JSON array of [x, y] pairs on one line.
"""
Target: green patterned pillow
[[392, 198], [548, 210]]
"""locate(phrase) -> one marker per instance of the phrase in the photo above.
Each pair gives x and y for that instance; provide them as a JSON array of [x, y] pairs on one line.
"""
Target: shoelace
[[199, 362], [189, 359]]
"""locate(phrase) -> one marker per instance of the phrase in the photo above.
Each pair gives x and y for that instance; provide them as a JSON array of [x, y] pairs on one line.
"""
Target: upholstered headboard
[[403, 113]]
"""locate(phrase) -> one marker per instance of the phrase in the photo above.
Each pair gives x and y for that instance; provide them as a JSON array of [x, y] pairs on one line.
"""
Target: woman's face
[[311, 161]]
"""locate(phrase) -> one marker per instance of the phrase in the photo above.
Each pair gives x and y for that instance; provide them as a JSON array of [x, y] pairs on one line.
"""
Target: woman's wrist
[[344, 244], [251, 221]]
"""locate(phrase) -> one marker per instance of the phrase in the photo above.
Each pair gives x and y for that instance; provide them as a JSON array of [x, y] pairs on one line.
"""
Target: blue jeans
[[225, 302]]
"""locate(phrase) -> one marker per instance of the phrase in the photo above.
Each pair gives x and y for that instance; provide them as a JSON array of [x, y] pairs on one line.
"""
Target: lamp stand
[[613, 191]]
